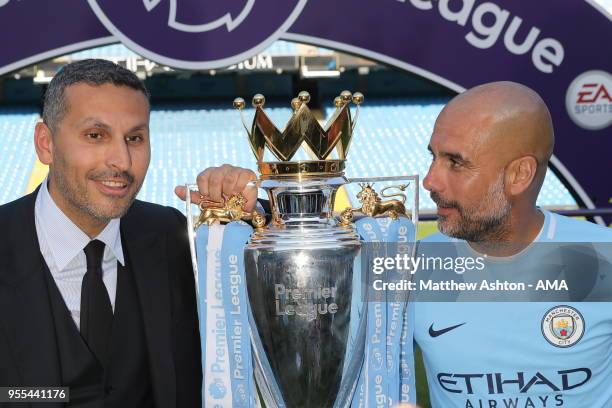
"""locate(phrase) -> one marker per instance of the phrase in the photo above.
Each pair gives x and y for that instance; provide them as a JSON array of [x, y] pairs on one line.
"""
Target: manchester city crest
[[563, 326]]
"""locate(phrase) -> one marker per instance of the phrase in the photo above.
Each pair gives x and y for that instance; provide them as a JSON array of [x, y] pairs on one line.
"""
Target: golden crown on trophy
[[303, 129]]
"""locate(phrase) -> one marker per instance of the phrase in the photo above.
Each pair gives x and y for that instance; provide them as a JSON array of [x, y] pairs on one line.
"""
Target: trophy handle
[[227, 210], [212, 212], [373, 205]]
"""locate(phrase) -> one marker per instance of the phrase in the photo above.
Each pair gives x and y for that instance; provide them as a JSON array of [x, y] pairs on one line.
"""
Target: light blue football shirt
[[521, 354]]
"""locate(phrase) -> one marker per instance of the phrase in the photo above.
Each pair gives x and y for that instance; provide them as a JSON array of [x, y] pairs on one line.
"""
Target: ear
[[520, 174], [43, 142]]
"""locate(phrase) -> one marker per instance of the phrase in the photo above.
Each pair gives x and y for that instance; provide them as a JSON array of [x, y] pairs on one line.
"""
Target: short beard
[[487, 222], [77, 196]]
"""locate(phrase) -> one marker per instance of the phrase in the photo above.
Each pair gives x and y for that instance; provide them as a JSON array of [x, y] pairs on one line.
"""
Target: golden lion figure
[[372, 205], [231, 211]]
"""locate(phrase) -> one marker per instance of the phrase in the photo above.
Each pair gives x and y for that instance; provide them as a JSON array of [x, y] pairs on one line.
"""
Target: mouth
[[114, 188], [444, 211], [445, 207]]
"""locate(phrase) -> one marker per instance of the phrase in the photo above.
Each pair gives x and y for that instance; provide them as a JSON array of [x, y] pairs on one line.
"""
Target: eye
[[454, 163], [134, 139], [94, 135]]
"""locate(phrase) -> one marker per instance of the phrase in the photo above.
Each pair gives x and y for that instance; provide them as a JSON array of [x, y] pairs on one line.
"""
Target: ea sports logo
[[197, 34], [563, 326], [589, 100]]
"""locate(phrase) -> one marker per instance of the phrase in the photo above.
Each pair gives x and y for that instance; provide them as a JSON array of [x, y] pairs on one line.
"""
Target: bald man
[[490, 149]]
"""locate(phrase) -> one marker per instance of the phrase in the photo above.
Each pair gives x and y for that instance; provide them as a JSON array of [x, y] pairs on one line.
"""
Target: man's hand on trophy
[[216, 184]]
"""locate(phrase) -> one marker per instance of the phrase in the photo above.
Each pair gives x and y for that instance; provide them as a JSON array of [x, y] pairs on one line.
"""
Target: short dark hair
[[89, 71]]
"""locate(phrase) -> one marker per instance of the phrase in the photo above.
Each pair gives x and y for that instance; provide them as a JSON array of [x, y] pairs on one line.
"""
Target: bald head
[[503, 121], [513, 119]]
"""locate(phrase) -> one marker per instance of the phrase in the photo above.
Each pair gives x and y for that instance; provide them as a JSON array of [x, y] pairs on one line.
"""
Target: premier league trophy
[[306, 307]]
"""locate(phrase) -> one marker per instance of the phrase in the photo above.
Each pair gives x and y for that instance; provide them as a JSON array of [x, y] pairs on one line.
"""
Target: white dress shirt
[[61, 244]]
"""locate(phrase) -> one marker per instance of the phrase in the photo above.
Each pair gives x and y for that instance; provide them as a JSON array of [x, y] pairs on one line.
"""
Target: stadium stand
[[16, 151], [282, 48], [120, 51], [187, 139], [112, 51], [390, 139]]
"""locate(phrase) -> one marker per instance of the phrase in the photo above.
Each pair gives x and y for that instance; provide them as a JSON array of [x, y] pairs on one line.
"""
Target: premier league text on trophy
[[310, 302]]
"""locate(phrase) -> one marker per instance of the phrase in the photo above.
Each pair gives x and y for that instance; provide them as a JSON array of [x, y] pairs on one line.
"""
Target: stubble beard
[[487, 222], [77, 196]]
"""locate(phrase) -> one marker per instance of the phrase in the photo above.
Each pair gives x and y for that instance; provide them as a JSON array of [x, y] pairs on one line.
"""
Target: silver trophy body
[[308, 339]]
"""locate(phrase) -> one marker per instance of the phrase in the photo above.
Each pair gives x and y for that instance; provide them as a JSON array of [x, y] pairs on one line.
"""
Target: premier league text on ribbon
[[235, 282], [237, 329]]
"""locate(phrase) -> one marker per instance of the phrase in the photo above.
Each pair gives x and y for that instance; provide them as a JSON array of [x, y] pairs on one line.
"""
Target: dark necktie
[[96, 309]]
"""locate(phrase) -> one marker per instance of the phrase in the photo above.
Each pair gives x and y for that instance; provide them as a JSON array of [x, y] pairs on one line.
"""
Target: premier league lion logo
[[217, 389], [197, 34], [198, 17]]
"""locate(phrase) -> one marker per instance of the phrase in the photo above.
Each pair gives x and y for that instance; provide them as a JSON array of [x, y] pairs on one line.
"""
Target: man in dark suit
[[97, 288]]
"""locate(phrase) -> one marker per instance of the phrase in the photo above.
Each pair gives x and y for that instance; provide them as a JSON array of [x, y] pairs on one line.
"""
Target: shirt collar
[[64, 239]]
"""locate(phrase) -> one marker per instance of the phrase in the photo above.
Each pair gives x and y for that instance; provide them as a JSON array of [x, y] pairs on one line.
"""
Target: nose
[[432, 182], [118, 155]]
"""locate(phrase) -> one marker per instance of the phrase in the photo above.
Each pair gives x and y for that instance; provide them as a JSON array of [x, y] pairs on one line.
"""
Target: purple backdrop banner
[[561, 49]]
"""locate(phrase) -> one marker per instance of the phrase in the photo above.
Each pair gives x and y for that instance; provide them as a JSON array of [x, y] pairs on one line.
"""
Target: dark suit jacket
[[155, 241]]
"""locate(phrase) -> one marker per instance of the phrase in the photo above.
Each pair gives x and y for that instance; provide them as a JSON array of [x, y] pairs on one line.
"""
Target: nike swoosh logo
[[436, 333]]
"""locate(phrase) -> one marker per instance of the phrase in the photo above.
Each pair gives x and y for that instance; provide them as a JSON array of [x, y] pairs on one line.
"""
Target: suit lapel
[[24, 301], [144, 250]]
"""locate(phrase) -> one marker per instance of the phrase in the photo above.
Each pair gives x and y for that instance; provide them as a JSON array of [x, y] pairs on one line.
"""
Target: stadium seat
[[390, 138], [16, 151], [120, 51], [186, 140]]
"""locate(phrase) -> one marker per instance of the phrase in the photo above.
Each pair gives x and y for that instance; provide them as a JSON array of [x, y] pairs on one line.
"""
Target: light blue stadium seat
[[120, 51], [112, 51], [16, 151], [189, 139], [391, 139], [282, 48]]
